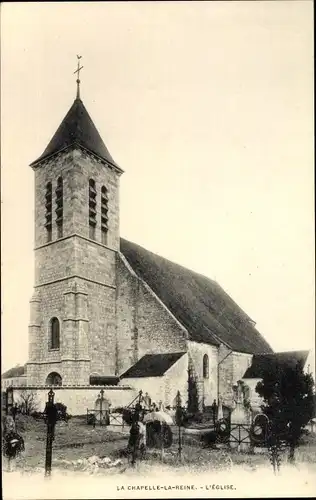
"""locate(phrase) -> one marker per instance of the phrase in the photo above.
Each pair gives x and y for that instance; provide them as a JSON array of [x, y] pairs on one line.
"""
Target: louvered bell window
[[48, 206], [92, 209], [104, 215], [59, 207]]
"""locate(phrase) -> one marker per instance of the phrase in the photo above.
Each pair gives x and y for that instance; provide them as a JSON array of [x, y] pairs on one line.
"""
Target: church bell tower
[[72, 322]]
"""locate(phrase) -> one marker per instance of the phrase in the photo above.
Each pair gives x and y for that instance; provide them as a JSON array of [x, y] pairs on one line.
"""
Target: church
[[106, 311]]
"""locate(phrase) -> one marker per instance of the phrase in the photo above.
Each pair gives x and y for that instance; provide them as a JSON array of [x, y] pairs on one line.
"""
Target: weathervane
[[79, 68]]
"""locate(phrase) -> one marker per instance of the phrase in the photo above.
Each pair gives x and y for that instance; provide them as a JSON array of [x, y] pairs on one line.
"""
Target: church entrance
[[53, 379]]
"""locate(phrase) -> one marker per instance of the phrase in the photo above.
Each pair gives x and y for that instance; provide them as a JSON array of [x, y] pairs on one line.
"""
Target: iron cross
[[79, 68]]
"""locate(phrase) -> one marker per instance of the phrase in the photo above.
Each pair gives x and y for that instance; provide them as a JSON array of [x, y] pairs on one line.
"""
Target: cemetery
[[103, 440]]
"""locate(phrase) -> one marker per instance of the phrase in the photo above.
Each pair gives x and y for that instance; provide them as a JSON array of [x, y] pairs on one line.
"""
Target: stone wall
[[158, 330], [154, 386], [241, 362], [144, 324], [225, 374], [232, 366], [93, 261], [87, 330], [79, 399], [55, 261], [208, 386], [176, 379], [102, 331], [127, 285]]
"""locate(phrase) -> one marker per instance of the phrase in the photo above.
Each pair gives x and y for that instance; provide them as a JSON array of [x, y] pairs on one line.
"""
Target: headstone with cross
[[101, 406]]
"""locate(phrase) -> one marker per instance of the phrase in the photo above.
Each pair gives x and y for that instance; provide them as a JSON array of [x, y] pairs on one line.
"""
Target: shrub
[[288, 395], [91, 419], [62, 412], [127, 416]]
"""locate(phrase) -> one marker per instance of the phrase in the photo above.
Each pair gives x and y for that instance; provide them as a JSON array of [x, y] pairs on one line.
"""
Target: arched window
[[104, 214], [205, 366], [59, 207], [92, 209], [54, 333], [48, 206], [53, 379]]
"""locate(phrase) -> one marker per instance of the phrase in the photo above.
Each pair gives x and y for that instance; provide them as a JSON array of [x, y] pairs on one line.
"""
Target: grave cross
[[51, 416], [101, 403], [179, 420]]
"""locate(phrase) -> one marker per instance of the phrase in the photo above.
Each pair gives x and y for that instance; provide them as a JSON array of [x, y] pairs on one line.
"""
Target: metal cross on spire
[[79, 68]]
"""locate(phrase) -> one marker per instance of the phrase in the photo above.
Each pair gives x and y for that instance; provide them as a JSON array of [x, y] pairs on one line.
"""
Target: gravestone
[[240, 422]]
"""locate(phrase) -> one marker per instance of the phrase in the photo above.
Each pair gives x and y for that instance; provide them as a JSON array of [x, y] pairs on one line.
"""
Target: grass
[[76, 440], [72, 441]]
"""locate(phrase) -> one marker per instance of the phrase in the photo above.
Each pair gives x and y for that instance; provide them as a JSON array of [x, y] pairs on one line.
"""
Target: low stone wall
[[78, 398]]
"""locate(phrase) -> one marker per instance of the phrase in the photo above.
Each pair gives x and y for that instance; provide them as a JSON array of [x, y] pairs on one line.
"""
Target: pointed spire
[[79, 68], [77, 127]]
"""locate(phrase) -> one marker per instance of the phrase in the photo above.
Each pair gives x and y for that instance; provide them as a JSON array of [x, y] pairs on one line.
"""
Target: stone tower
[[72, 322]]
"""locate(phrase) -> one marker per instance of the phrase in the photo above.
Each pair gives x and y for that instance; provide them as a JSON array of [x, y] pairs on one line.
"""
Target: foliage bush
[[91, 420], [288, 395], [62, 412]]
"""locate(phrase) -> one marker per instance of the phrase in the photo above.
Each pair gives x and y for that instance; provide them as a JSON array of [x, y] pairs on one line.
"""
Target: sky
[[208, 108]]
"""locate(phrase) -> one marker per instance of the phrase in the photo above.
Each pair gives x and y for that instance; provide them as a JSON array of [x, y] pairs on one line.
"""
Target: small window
[[104, 215], [54, 333], [48, 206], [205, 366], [59, 207], [92, 209]]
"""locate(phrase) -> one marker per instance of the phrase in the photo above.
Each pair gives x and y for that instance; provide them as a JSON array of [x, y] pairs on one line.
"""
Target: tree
[[288, 395], [28, 402]]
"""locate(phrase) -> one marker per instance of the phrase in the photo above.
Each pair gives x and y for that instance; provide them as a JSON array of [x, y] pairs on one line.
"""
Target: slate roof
[[16, 371], [77, 127], [199, 303], [152, 365], [262, 364], [103, 380]]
